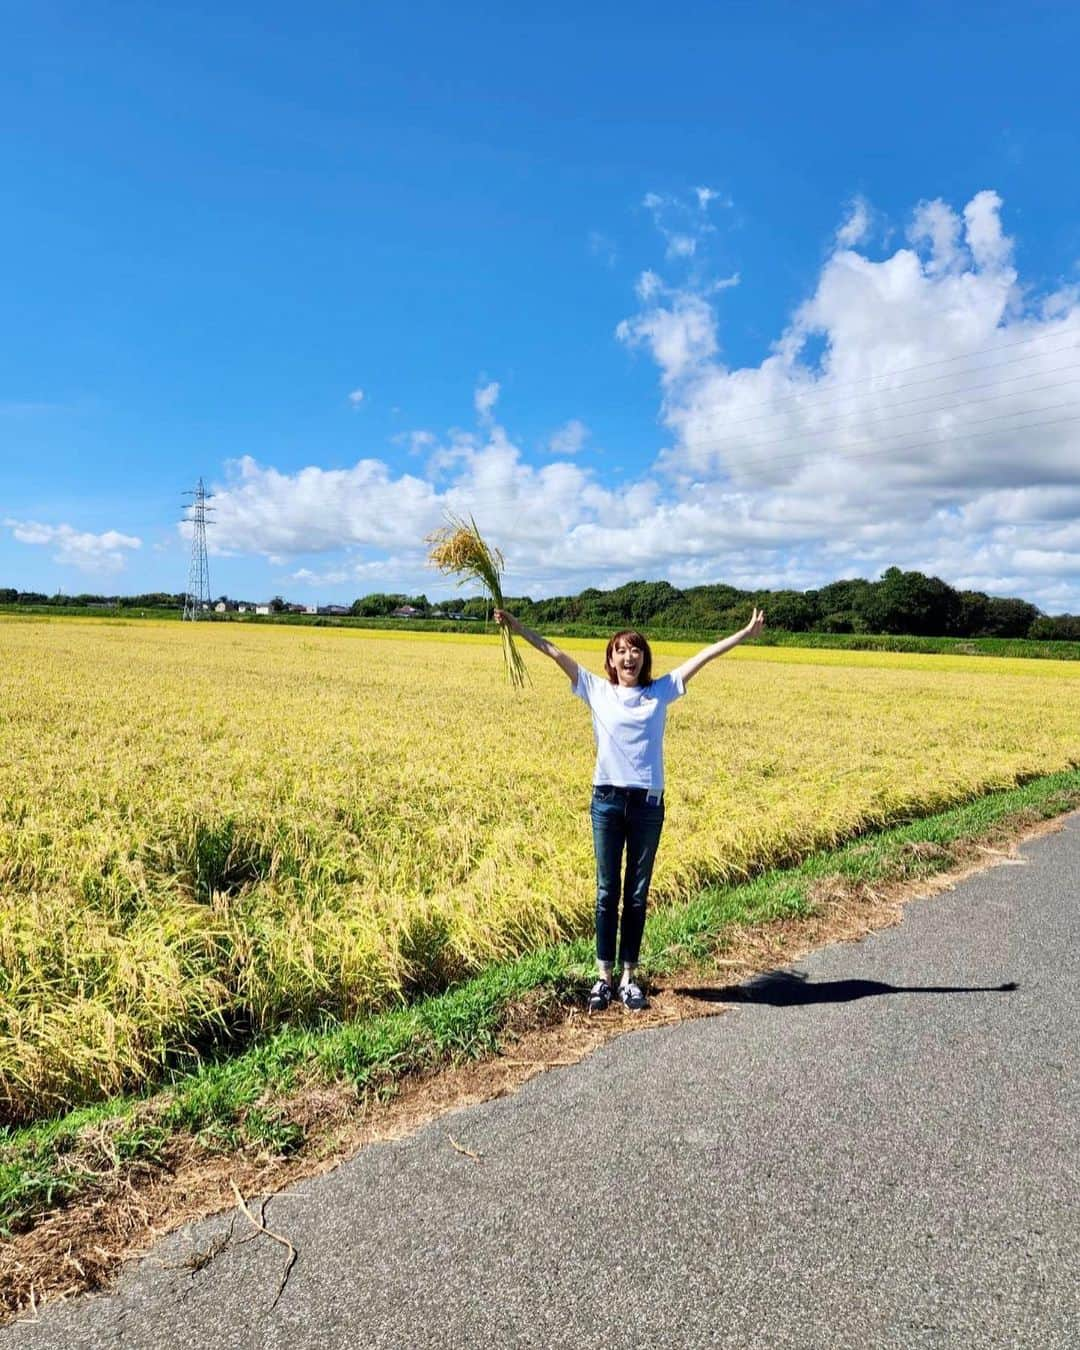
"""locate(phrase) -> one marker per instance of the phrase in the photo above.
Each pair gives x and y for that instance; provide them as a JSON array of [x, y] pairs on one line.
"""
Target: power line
[[901, 389], [947, 360], [843, 453], [808, 434], [825, 395]]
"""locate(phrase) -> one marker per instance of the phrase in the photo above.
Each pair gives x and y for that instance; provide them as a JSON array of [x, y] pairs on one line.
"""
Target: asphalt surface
[[877, 1148]]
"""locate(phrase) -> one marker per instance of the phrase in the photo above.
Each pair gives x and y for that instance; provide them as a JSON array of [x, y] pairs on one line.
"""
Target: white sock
[[628, 976], [606, 969]]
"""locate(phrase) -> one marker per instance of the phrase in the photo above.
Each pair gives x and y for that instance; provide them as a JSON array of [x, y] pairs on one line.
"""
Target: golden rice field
[[220, 826]]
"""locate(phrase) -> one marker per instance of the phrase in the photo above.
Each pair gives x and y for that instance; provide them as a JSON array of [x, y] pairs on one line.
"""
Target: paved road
[[860, 1156]]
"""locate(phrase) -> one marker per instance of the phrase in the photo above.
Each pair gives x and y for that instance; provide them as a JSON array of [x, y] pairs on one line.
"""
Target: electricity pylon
[[197, 596]]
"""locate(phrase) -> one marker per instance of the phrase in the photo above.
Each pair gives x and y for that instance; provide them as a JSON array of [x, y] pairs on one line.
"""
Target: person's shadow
[[791, 988]]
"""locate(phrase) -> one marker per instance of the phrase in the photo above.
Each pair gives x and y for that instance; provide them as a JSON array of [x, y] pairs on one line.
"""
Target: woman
[[628, 713]]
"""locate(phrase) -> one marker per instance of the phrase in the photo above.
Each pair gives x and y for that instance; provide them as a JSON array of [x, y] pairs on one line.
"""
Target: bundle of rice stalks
[[458, 549]]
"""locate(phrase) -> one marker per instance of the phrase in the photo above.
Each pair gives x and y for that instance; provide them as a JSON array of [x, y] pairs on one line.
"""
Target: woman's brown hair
[[634, 639]]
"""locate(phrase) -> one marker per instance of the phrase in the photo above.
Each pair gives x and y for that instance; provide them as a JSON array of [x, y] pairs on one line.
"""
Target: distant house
[[333, 609], [406, 612], [220, 607], [242, 609], [263, 609]]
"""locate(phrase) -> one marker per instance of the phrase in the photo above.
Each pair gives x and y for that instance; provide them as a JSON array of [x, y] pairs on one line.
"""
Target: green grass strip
[[224, 1102]]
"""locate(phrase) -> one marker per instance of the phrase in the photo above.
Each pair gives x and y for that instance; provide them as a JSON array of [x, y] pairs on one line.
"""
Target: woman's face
[[627, 659]]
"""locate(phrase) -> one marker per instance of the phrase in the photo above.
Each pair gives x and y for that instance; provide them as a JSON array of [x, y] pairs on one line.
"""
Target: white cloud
[[937, 225], [103, 553], [332, 577], [989, 246], [1048, 561], [857, 225], [649, 285], [419, 442], [569, 438], [682, 223], [725, 283], [681, 245], [485, 398], [680, 332], [356, 397], [261, 510], [394, 572]]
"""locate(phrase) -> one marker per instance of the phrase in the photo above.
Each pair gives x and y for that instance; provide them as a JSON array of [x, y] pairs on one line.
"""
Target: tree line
[[86, 600], [899, 603]]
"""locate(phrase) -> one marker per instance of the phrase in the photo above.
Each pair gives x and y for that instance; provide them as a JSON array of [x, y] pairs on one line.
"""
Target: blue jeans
[[623, 821]]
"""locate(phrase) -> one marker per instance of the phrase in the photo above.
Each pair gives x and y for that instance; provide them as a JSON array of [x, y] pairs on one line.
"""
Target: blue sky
[[653, 292]]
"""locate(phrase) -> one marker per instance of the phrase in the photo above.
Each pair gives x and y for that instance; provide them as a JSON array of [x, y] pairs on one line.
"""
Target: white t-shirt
[[628, 723]]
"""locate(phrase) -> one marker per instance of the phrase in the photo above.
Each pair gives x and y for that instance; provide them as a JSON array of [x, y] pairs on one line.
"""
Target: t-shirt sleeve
[[669, 687], [585, 685]]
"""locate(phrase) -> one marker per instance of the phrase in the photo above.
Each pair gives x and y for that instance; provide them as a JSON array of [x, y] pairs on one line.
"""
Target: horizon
[[461, 598]]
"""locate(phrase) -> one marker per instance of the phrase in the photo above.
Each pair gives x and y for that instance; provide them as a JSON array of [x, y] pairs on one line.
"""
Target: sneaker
[[632, 997], [599, 996]]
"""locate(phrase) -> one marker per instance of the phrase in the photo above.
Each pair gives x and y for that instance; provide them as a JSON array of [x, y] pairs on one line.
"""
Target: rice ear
[[458, 549]]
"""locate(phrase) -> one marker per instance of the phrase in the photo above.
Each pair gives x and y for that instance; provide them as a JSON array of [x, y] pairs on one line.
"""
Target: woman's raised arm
[[690, 668], [566, 664]]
